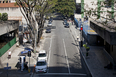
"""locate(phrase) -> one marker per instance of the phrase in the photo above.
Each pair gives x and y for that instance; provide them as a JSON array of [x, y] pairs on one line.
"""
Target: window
[[78, 8]]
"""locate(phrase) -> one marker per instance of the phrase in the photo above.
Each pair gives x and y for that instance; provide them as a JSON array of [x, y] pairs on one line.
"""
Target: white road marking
[[66, 56], [49, 51], [64, 74]]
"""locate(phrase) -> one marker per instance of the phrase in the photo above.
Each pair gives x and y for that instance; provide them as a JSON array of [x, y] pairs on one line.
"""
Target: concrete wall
[[13, 13], [102, 31], [113, 53], [8, 26], [90, 39]]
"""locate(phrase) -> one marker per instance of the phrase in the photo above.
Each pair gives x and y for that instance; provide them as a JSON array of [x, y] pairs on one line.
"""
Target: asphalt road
[[64, 59]]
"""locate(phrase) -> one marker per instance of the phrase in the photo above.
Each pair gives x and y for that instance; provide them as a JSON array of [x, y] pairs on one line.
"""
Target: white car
[[41, 66], [42, 55], [49, 24]]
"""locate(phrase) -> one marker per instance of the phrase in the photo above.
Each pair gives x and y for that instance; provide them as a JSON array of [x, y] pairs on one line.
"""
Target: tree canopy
[[45, 6], [65, 7]]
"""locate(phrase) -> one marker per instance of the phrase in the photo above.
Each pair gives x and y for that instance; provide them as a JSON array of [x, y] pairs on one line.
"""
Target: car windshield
[[41, 63], [42, 55], [49, 23]]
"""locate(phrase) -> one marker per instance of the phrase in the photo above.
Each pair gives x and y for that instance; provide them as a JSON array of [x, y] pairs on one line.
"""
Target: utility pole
[[81, 29]]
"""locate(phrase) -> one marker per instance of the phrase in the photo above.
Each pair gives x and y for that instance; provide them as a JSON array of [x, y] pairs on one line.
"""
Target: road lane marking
[[79, 74], [49, 51], [66, 56]]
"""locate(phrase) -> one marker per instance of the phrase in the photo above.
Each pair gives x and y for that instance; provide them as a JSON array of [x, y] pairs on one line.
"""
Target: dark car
[[67, 25], [48, 30], [51, 19]]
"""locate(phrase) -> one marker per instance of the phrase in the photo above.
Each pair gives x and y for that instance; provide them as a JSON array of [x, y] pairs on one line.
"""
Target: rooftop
[[2, 5]]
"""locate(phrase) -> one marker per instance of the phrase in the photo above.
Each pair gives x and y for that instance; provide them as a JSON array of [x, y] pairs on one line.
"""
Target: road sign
[[6, 68]]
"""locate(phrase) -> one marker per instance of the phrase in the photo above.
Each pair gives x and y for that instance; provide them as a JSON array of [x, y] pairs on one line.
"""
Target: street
[[64, 58]]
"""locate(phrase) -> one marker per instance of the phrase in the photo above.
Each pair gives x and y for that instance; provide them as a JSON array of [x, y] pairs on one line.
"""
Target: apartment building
[[13, 10], [105, 34]]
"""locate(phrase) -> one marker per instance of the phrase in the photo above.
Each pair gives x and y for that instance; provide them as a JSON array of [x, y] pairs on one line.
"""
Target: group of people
[[70, 21]]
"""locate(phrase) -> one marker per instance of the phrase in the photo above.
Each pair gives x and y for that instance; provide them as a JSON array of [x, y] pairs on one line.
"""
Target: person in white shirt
[[9, 54]]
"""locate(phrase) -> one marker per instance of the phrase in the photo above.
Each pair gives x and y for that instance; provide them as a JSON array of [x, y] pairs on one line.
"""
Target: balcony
[[108, 33]]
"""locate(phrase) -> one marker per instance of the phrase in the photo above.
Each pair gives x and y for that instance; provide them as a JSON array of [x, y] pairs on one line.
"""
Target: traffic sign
[[6, 68]]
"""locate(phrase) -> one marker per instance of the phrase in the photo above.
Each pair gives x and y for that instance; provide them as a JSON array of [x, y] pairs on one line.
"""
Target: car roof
[[42, 51]]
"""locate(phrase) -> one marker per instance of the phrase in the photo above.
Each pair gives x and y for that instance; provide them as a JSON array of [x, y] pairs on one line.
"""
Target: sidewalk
[[96, 59], [13, 62]]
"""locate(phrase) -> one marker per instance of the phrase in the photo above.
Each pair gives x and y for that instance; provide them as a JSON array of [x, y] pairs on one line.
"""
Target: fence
[[7, 46]]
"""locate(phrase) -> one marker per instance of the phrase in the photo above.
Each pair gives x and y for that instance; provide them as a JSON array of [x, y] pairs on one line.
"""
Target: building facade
[[106, 34], [13, 11]]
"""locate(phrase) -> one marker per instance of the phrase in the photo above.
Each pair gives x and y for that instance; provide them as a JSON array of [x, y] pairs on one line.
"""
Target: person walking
[[72, 22], [9, 54]]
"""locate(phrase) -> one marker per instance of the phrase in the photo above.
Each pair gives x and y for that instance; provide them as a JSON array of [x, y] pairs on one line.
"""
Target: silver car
[[41, 66]]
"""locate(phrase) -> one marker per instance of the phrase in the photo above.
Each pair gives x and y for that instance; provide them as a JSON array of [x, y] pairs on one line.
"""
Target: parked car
[[67, 25], [42, 55], [48, 30], [51, 19], [41, 66], [49, 24]]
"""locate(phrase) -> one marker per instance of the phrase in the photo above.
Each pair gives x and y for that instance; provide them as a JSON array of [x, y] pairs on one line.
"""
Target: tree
[[66, 7], [27, 8], [4, 16], [42, 8]]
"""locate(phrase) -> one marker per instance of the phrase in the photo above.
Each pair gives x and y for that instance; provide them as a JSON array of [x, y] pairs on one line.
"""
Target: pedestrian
[[77, 38], [72, 22], [9, 54], [25, 66]]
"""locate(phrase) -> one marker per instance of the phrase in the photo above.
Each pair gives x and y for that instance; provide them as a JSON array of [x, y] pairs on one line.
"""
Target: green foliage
[[4, 16], [0, 16], [66, 7], [45, 6]]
